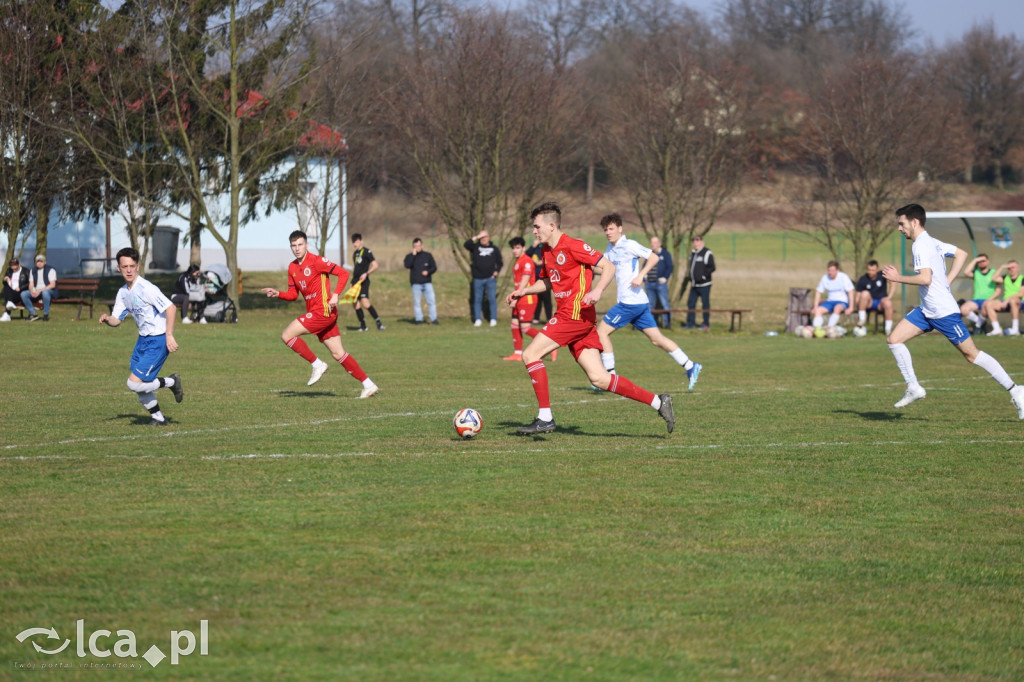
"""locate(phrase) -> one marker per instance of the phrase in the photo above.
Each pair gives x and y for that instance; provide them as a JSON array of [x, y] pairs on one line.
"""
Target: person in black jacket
[[701, 264], [485, 264], [15, 282], [421, 267]]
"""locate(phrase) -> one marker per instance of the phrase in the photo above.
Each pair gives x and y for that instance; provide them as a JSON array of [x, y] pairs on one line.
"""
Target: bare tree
[[878, 136], [984, 72], [678, 139], [481, 116]]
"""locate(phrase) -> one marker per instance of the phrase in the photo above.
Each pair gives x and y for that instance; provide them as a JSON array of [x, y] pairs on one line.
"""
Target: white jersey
[[936, 298], [146, 304], [835, 288], [625, 255]]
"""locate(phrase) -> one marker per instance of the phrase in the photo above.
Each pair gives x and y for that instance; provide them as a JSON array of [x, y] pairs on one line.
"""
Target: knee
[[602, 381], [134, 386]]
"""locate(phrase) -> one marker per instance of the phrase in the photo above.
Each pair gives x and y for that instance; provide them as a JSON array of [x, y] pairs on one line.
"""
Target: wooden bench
[[879, 317], [84, 287], [735, 314]]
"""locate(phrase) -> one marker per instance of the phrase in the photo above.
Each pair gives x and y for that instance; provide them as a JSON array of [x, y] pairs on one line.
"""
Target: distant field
[[794, 527]]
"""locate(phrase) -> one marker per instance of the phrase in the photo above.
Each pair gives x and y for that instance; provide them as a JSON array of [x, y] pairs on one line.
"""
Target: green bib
[[983, 284], [1011, 287]]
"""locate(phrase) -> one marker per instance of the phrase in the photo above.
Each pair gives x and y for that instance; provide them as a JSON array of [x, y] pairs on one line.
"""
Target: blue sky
[[942, 21]]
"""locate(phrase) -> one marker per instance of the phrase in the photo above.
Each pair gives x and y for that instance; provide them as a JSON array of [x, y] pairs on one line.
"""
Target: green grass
[[794, 527]]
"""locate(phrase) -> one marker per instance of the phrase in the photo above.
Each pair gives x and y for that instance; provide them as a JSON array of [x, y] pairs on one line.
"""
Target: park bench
[[735, 314], [84, 289]]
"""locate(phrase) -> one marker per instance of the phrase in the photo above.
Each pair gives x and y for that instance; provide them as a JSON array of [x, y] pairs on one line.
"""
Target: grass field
[[794, 527]]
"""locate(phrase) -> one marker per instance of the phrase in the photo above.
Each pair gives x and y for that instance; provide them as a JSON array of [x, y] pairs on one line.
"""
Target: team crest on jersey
[[307, 272], [309, 316], [560, 258], [553, 320]]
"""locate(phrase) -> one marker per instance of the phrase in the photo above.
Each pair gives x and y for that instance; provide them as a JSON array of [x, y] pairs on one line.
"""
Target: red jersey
[[311, 280], [524, 266], [569, 267]]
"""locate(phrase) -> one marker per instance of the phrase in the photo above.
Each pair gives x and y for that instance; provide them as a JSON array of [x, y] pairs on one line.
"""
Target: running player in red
[[524, 273], [568, 270], [309, 276]]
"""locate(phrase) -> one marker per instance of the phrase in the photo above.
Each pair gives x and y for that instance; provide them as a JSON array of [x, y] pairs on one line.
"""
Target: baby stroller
[[219, 306]]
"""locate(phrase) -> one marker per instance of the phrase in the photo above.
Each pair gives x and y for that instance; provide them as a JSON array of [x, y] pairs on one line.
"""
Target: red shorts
[[323, 327], [576, 335], [525, 307]]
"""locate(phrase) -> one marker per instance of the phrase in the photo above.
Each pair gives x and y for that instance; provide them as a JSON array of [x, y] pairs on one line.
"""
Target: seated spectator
[[189, 295], [837, 290], [873, 293], [1006, 298], [15, 281], [42, 286]]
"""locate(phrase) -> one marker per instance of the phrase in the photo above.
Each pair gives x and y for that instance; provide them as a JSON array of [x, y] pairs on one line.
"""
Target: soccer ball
[[819, 332], [860, 331], [805, 331], [834, 332], [468, 423]]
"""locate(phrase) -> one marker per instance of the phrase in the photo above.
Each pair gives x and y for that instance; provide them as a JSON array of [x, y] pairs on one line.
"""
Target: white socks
[[544, 414], [608, 360], [833, 319], [679, 356], [818, 321], [862, 316], [992, 366], [903, 361]]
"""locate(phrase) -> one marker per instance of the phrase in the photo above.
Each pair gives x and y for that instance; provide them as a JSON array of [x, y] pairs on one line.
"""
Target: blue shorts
[[874, 304], [621, 314], [830, 306], [950, 326], [149, 356], [979, 302]]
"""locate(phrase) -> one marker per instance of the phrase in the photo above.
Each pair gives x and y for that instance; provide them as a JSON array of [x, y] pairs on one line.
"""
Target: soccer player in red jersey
[[309, 276], [524, 273], [568, 270]]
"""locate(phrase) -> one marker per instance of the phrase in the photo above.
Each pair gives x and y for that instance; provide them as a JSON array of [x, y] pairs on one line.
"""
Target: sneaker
[[693, 373], [1012, 332], [361, 329], [666, 411], [187, 320], [494, 323], [537, 426], [11, 306], [177, 389], [318, 371], [33, 318], [367, 392], [434, 322], [477, 323], [704, 328], [46, 318], [157, 422], [202, 320], [996, 331], [6, 317], [1017, 396], [913, 393], [380, 326], [517, 356]]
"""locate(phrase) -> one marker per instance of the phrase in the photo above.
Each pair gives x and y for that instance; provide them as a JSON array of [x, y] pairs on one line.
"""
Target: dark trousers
[[704, 293]]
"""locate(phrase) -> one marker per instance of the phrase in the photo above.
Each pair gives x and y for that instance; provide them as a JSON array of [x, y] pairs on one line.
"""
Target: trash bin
[[165, 248]]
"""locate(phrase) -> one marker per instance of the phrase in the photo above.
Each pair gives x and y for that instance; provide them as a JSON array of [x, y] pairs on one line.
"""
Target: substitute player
[[633, 306], [310, 276], [938, 309], [154, 316], [568, 270], [524, 273]]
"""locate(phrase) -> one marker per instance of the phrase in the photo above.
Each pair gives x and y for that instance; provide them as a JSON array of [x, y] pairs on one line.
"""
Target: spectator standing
[[700, 265], [421, 268], [364, 264], [15, 281], [485, 264], [544, 297], [42, 286], [657, 281]]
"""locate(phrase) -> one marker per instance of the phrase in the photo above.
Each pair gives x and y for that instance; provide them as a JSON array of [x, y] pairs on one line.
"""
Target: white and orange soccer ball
[[468, 422]]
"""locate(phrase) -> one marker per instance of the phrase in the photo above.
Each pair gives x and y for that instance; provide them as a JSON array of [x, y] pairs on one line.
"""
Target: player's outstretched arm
[[109, 320], [271, 293]]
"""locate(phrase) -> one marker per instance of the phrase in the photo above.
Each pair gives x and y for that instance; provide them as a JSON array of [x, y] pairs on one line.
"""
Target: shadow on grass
[[306, 394], [135, 419], [874, 416]]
